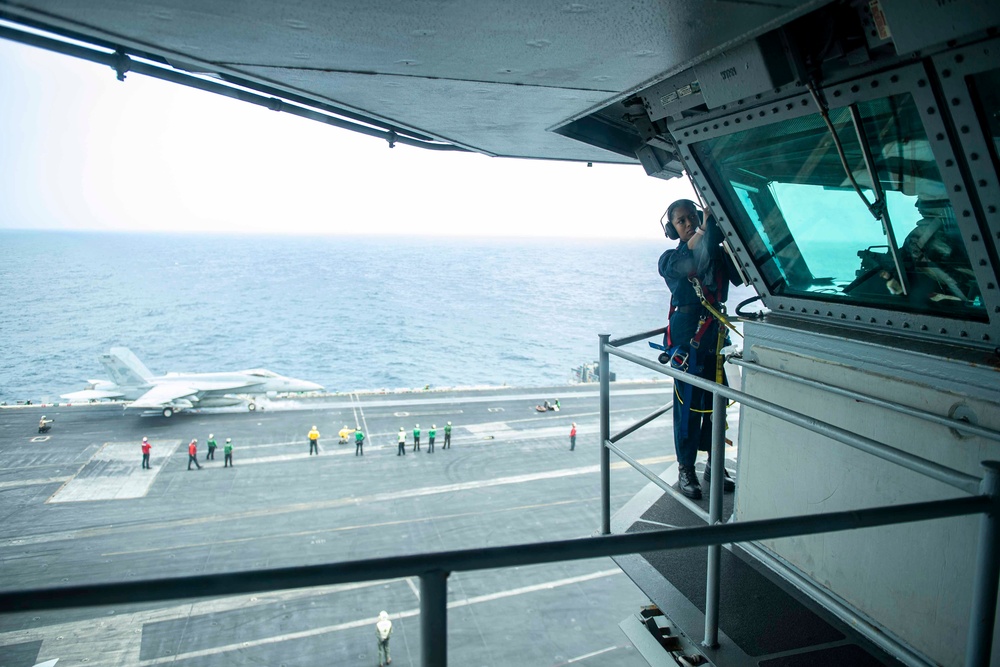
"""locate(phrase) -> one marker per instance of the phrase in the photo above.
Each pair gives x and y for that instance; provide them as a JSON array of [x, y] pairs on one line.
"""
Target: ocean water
[[354, 313]]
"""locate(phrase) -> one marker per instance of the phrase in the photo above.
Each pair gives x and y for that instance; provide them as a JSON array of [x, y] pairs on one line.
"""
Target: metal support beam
[[434, 619], [605, 370], [984, 590], [714, 518]]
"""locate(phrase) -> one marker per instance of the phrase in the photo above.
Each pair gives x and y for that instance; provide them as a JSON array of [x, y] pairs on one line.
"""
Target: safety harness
[[684, 357]]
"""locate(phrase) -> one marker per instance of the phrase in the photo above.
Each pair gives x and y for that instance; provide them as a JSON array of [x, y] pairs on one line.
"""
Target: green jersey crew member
[[228, 453], [447, 436], [359, 442]]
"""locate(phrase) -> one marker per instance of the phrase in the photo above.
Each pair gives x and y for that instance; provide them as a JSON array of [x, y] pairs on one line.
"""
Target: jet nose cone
[[303, 385]]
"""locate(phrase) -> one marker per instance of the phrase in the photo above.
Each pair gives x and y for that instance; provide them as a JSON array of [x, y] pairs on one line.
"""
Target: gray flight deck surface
[[77, 508]]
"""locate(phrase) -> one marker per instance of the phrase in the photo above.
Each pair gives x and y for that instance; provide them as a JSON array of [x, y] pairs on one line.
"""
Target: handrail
[[932, 469], [987, 575], [957, 424], [515, 555], [642, 422]]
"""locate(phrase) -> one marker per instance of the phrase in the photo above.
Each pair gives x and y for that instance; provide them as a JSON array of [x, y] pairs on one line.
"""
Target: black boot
[[687, 482], [728, 485]]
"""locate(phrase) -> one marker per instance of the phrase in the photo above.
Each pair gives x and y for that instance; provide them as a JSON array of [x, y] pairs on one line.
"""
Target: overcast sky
[[81, 150]]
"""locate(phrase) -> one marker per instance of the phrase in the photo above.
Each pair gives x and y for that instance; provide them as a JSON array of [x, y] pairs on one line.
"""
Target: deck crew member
[[572, 437], [344, 433], [211, 447], [447, 436], [383, 630], [692, 338], [416, 437], [431, 434], [227, 454], [44, 424], [193, 454], [313, 441], [145, 452], [401, 451], [359, 443]]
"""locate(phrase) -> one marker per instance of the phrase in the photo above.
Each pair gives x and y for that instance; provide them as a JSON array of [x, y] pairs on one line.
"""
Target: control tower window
[[811, 235], [987, 89]]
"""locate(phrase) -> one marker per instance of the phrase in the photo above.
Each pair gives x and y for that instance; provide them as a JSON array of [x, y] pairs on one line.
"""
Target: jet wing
[[164, 394], [91, 395]]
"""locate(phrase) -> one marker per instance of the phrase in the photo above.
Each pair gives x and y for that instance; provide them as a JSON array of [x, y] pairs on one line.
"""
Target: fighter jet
[[171, 393]]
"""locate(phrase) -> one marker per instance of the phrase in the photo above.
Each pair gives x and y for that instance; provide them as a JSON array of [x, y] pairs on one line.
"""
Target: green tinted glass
[[810, 233]]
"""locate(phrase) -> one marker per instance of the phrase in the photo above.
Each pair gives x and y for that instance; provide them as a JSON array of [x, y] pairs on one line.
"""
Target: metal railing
[[433, 569], [987, 574]]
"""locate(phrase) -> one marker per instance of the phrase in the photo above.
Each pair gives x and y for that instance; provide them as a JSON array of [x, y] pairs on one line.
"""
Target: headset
[[668, 229]]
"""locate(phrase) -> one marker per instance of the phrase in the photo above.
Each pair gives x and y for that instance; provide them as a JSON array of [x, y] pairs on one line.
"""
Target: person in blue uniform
[[693, 333]]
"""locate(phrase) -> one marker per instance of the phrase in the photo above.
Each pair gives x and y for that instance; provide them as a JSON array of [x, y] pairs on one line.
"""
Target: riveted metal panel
[[917, 81], [917, 24], [954, 70]]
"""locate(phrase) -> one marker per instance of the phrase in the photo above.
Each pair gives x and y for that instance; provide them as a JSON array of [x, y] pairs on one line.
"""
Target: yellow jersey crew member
[[313, 441]]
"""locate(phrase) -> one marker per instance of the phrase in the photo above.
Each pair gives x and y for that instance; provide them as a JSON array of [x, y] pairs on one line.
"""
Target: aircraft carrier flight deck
[[77, 507]]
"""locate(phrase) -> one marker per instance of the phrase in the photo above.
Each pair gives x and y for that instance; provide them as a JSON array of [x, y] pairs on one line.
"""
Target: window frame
[[918, 80]]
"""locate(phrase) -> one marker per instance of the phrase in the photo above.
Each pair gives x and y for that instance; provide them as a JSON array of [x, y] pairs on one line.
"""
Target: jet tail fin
[[124, 367]]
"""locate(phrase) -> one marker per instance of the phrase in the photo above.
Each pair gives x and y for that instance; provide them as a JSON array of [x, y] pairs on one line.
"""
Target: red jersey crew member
[[145, 452], [193, 454], [572, 437]]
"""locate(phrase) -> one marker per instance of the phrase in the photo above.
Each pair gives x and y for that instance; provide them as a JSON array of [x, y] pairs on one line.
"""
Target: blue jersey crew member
[[693, 332]]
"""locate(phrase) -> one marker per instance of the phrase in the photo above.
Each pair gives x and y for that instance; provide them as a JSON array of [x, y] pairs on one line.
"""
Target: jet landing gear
[[168, 412], [251, 407]]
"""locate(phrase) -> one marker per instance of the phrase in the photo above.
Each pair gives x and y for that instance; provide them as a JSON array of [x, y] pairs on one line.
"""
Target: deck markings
[[116, 640], [413, 587], [96, 531], [33, 482], [365, 622], [362, 526], [338, 502], [112, 473], [592, 654]]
